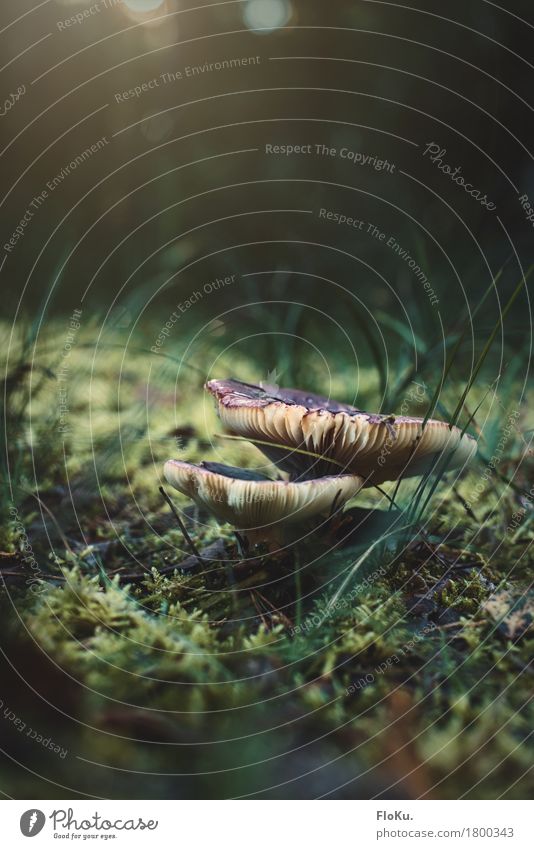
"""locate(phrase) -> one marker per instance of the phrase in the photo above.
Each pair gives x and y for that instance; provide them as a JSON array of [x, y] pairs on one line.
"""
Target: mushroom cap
[[375, 447], [250, 501]]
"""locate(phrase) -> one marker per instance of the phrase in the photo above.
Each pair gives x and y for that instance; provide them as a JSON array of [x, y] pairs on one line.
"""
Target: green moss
[[411, 656]]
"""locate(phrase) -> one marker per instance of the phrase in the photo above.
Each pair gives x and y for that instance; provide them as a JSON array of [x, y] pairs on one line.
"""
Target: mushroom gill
[[251, 502], [309, 435]]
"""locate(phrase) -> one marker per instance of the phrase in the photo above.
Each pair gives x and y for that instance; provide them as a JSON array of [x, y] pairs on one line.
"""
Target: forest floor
[[354, 665]]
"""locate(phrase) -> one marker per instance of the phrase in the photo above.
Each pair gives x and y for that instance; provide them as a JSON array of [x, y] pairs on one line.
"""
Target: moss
[[408, 668], [464, 594]]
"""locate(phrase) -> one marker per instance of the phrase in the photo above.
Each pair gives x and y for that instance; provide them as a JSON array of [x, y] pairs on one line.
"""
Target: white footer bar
[[268, 824]]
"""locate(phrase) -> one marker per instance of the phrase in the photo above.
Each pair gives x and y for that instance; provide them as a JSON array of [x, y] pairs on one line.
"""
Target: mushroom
[[324, 437], [255, 504]]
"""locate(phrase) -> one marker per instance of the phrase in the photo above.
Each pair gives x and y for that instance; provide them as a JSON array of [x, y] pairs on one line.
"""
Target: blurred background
[[273, 190], [182, 190]]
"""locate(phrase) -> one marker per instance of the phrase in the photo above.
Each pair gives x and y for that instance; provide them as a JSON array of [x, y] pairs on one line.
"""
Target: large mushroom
[[255, 504], [310, 436]]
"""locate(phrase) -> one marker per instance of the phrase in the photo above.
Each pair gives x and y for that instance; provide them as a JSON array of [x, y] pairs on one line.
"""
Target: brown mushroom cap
[[374, 447], [249, 501]]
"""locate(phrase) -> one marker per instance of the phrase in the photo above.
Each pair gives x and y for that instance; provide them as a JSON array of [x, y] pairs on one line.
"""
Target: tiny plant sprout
[[255, 505]]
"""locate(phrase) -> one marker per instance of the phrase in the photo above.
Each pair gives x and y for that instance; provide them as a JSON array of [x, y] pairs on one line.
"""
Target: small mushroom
[[254, 503], [324, 437]]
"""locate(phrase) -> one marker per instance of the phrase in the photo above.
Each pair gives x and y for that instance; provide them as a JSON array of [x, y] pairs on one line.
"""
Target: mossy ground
[[239, 679]]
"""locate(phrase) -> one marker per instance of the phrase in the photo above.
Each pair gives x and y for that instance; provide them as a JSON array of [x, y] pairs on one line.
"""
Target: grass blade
[[488, 345]]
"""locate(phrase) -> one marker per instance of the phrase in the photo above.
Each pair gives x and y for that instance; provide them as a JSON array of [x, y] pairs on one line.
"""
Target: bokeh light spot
[[267, 14], [143, 6]]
